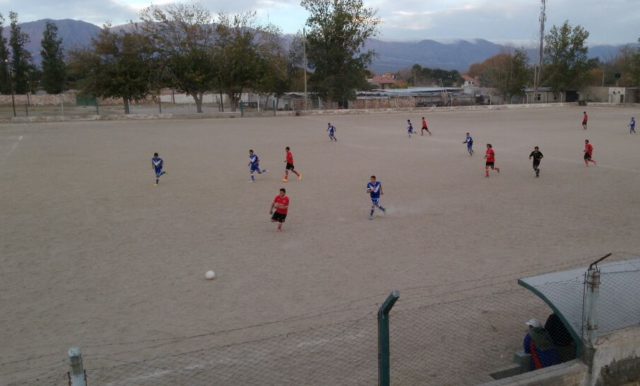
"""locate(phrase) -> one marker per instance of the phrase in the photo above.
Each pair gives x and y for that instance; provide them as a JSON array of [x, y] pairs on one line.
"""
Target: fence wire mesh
[[619, 303], [436, 339], [439, 336]]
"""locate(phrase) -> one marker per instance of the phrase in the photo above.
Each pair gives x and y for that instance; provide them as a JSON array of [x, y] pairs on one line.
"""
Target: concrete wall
[[39, 100], [616, 360], [573, 373]]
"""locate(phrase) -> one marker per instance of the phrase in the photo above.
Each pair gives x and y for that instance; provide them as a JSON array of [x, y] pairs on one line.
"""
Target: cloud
[[612, 21], [93, 11]]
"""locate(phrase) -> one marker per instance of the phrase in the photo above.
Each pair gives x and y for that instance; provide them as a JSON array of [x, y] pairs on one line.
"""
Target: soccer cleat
[[285, 180], [300, 177]]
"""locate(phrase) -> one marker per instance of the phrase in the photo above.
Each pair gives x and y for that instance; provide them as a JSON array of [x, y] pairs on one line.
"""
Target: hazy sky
[[608, 21]]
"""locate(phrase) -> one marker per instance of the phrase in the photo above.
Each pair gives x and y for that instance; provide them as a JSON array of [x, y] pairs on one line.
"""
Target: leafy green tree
[[5, 80], [53, 65], [237, 56], [424, 76], [636, 66], [184, 37], [509, 73], [273, 66], [20, 58], [117, 66], [631, 65], [249, 56], [338, 30], [566, 66]]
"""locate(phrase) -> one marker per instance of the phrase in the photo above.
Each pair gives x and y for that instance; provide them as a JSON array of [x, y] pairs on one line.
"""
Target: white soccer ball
[[210, 275]]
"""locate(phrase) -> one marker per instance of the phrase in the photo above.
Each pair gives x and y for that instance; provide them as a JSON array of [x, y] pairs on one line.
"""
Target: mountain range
[[390, 56]]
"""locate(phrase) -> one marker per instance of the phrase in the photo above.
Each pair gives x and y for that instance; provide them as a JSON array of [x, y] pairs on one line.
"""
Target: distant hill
[[458, 55], [74, 34], [391, 56]]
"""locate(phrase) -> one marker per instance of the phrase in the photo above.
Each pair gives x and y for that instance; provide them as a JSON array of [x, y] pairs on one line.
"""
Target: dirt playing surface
[[93, 254]]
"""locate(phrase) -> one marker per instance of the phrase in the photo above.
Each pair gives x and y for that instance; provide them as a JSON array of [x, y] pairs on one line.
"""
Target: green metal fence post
[[77, 375], [384, 363]]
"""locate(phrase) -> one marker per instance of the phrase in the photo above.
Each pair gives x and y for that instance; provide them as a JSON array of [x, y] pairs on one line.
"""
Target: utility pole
[[304, 59], [538, 73]]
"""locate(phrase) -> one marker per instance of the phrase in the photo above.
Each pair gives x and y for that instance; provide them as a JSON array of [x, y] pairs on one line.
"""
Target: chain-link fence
[[618, 303], [437, 338], [440, 335], [70, 104]]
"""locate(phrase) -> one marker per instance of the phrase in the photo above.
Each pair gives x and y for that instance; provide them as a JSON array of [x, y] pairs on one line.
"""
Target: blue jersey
[[632, 124], [410, 128], [254, 160], [469, 141], [331, 129], [374, 188], [157, 163]]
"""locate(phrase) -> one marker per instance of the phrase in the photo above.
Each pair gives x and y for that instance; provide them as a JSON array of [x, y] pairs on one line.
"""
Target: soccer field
[[94, 254]]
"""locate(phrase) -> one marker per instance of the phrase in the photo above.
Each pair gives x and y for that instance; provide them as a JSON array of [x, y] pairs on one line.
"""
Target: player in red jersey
[[490, 156], [289, 162], [281, 206], [425, 126], [585, 119], [588, 153]]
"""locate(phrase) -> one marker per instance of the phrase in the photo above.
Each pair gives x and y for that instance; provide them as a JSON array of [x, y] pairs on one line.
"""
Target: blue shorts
[[255, 168], [375, 200], [158, 172]]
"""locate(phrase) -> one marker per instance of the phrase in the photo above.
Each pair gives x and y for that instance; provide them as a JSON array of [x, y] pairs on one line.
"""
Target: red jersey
[[585, 118], [290, 157], [281, 201], [425, 123], [588, 148], [491, 155]]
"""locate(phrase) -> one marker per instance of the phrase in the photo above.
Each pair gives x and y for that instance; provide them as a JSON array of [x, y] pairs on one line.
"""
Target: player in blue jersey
[[409, 128], [331, 129], [469, 142], [254, 165], [158, 165], [374, 188], [632, 125]]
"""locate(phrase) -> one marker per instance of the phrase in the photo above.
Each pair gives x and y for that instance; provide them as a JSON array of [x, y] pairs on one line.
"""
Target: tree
[[236, 55], [273, 66], [117, 66], [296, 64], [5, 80], [566, 63], [624, 70], [338, 30], [184, 37], [507, 72], [635, 67], [20, 58], [424, 76], [53, 65]]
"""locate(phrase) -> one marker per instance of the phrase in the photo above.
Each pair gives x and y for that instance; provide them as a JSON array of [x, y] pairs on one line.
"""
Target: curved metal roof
[[619, 296]]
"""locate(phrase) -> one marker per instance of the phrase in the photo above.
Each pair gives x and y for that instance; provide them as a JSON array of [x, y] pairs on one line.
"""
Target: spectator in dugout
[[539, 345], [561, 338]]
